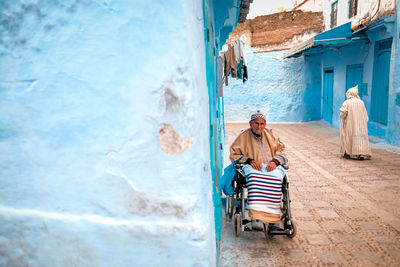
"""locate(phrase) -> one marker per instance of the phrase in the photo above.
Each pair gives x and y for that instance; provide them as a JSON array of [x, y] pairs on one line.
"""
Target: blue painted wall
[[338, 59], [288, 90], [393, 132], [105, 134]]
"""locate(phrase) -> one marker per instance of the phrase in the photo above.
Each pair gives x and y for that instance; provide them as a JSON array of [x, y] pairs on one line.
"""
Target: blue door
[[380, 83], [354, 76], [327, 96]]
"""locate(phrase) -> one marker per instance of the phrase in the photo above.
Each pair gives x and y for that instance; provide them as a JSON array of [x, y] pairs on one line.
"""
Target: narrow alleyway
[[347, 212]]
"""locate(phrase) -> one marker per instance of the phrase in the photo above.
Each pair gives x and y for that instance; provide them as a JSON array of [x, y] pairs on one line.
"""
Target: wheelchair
[[236, 207]]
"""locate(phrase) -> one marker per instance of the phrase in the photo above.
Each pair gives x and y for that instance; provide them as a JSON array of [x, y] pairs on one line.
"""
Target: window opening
[[334, 14], [353, 4]]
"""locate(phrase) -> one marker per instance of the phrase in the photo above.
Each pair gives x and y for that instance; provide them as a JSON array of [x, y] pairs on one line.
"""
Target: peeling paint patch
[[171, 142]]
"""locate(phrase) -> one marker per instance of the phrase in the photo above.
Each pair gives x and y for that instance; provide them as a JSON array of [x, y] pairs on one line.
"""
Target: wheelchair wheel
[[267, 236], [293, 230], [229, 207], [238, 224]]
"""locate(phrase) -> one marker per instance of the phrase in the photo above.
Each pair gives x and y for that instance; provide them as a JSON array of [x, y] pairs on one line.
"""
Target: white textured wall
[[311, 5], [262, 7], [104, 134], [367, 9]]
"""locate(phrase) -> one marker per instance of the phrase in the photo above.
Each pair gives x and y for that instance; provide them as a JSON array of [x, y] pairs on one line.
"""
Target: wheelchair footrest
[[278, 231], [247, 228]]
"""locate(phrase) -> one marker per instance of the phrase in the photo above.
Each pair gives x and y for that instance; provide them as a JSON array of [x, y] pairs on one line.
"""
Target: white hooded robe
[[353, 129]]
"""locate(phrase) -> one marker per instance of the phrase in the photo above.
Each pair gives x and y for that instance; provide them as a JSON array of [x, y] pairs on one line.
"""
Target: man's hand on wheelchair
[[255, 164], [271, 166]]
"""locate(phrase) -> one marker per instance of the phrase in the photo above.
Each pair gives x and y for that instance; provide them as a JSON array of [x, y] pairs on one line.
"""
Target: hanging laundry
[[230, 64], [245, 76], [220, 74], [236, 48], [241, 43], [241, 58], [239, 68], [235, 62]]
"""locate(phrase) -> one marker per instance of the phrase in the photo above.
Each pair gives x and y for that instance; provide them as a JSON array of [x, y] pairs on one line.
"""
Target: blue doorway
[[327, 96], [354, 76], [380, 83]]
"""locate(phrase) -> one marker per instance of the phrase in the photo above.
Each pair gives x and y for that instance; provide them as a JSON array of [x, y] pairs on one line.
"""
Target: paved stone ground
[[347, 212]]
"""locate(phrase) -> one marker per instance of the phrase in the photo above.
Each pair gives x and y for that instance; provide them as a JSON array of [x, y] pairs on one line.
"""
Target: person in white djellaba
[[354, 141]]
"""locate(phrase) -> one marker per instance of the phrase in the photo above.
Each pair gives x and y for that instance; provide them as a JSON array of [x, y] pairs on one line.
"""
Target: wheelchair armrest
[[285, 166], [239, 165]]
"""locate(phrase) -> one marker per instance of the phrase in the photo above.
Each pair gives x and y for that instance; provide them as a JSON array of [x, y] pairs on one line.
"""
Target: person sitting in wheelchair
[[259, 147]]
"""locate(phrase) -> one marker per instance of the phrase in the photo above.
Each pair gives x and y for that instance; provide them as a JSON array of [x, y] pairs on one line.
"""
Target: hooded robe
[[353, 129]]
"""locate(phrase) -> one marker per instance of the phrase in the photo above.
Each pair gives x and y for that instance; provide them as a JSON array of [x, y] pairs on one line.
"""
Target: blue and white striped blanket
[[264, 189]]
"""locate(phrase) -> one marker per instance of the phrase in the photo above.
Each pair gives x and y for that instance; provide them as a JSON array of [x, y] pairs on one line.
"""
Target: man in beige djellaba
[[257, 146], [354, 141]]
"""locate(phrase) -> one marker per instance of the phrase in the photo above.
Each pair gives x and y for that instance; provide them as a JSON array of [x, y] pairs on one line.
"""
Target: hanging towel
[[230, 64], [242, 49], [239, 69]]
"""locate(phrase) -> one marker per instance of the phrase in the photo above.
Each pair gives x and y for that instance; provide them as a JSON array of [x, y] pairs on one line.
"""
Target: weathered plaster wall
[[276, 86], [279, 31], [91, 92]]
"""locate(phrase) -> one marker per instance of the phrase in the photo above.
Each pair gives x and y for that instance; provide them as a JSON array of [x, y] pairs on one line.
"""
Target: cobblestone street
[[346, 211]]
